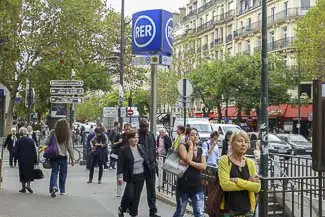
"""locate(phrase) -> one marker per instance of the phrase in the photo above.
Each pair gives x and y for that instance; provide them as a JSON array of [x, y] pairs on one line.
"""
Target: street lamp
[[73, 75], [122, 49]]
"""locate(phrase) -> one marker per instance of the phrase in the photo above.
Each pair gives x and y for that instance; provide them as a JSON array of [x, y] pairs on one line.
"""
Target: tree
[[310, 42]]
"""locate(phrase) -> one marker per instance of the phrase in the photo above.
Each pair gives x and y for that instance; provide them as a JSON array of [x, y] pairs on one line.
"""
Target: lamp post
[[73, 75], [299, 99], [122, 50]]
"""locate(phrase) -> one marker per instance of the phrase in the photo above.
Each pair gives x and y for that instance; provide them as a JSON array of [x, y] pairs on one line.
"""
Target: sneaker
[[120, 212], [99, 182], [90, 181], [155, 215], [110, 168], [117, 195], [22, 190], [54, 190], [63, 193], [105, 170]]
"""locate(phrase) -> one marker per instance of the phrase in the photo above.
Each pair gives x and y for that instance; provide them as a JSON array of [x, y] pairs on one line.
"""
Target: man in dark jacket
[[116, 142], [31, 134], [10, 143], [147, 139]]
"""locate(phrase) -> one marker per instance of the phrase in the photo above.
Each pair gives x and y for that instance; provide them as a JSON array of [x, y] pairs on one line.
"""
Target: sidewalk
[[82, 199]]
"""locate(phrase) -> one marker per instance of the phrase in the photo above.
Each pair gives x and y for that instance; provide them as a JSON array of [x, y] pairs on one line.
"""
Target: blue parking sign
[[152, 32]]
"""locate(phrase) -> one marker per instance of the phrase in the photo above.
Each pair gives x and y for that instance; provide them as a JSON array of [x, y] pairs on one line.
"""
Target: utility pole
[[299, 99], [73, 75], [264, 122], [122, 50], [29, 98]]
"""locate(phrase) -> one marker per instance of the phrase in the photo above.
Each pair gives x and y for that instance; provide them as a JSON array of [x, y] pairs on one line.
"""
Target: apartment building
[[218, 27]]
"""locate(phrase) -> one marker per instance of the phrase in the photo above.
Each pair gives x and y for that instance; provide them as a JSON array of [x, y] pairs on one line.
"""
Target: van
[[222, 130]]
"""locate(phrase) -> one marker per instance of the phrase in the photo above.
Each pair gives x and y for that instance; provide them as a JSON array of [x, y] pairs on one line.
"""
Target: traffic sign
[[73, 83], [67, 91], [67, 99], [130, 112], [110, 112], [189, 87], [139, 60], [152, 32]]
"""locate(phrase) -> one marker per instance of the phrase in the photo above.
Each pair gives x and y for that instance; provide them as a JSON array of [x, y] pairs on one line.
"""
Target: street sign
[[67, 91], [110, 112], [152, 32], [139, 60], [67, 99], [130, 112], [73, 83], [189, 87]]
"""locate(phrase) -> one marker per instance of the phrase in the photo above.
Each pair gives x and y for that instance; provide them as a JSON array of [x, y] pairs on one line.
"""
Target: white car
[[222, 130]]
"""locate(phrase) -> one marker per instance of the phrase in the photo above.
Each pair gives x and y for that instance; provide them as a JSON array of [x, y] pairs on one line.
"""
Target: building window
[[201, 21], [194, 24], [273, 14], [221, 32], [272, 39], [206, 18], [249, 25], [248, 46], [213, 15], [285, 32], [305, 4], [212, 37], [286, 9], [239, 47]]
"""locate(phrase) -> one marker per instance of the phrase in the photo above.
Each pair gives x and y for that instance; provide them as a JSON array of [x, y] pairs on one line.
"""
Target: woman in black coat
[[25, 152], [226, 143]]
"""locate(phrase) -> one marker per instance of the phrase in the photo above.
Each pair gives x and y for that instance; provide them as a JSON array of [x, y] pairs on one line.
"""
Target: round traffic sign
[[130, 112], [189, 87]]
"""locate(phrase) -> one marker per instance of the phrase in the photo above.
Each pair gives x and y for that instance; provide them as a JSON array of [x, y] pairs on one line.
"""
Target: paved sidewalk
[[82, 199]]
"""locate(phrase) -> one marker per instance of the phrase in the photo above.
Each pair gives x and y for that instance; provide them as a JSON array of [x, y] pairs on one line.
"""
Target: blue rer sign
[[152, 32]]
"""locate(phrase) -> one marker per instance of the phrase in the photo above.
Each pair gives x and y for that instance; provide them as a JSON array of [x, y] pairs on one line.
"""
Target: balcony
[[249, 8], [218, 41], [229, 14], [189, 15], [206, 6], [205, 26], [229, 38], [271, 20], [280, 44], [205, 47]]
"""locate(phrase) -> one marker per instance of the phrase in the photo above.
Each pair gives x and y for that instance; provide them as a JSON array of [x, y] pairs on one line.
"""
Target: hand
[[181, 162], [72, 163], [254, 179], [234, 180], [120, 140], [190, 143], [120, 181]]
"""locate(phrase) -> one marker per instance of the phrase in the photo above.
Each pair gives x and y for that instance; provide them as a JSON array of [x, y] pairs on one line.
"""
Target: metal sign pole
[[153, 109], [184, 101]]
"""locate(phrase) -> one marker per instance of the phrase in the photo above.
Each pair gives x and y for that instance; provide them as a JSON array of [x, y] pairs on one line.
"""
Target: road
[[82, 199]]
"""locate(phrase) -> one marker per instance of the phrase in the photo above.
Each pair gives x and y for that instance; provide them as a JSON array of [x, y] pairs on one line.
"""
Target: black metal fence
[[293, 188]]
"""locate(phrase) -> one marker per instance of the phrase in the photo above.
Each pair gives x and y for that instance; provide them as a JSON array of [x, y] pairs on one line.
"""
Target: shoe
[[105, 170], [155, 215], [29, 190], [22, 190], [120, 212], [110, 168], [54, 190], [99, 182], [90, 181], [117, 195], [62, 193]]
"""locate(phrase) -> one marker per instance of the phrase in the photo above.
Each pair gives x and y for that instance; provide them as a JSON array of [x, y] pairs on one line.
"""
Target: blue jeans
[[197, 204], [59, 166]]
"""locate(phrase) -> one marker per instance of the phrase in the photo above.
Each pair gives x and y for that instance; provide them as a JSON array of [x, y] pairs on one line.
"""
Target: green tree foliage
[[167, 93], [310, 42]]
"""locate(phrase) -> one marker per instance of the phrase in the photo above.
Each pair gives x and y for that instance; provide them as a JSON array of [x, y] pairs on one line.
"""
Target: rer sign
[[152, 32]]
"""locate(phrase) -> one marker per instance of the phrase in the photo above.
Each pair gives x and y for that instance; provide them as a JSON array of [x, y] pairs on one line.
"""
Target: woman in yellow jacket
[[238, 179]]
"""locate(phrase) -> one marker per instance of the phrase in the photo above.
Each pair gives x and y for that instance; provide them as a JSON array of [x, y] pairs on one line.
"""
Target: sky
[[132, 6]]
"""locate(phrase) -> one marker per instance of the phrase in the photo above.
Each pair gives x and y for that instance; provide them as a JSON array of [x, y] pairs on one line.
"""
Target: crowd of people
[[134, 156]]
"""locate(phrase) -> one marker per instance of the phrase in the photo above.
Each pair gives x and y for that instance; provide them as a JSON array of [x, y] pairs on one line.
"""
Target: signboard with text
[[67, 91], [72, 83]]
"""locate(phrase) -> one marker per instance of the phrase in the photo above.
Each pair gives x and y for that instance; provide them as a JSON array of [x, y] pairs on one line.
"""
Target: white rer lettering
[[170, 31], [143, 31]]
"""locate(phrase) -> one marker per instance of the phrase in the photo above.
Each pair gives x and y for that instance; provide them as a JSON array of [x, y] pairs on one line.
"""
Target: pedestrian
[[211, 149], [116, 142], [164, 143], [147, 139], [180, 136], [32, 134], [98, 145], [238, 179], [10, 143], [88, 150], [63, 139], [133, 166], [226, 146], [25, 152], [189, 186]]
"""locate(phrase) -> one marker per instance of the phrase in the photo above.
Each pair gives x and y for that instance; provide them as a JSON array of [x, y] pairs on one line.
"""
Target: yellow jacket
[[224, 167]]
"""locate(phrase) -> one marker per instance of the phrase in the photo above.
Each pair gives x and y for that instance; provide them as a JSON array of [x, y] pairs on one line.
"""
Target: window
[[201, 21], [272, 40], [248, 46], [305, 4], [212, 37], [273, 14], [249, 25], [285, 32], [194, 24], [217, 34], [239, 47], [286, 9], [206, 18], [242, 24], [221, 32]]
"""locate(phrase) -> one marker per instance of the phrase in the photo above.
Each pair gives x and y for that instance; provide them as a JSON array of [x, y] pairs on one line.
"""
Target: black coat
[[167, 142], [126, 162], [116, 147], [9, 142], [25, 152], [34, 137], [149, 145], [224, 150], [100, 152]]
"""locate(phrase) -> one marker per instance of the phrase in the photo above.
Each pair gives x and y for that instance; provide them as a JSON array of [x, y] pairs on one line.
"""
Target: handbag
[[38, 174], [51, 152], [47, 164], [173, 166], [215, 194]]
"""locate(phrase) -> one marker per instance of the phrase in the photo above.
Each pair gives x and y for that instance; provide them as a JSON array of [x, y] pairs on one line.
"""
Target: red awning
[[292, 111]]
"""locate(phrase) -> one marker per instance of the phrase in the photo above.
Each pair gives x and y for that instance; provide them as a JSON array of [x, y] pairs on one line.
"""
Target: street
[[82, 199]]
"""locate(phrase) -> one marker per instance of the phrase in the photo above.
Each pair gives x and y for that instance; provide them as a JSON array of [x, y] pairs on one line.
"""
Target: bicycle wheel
[[77, 156]]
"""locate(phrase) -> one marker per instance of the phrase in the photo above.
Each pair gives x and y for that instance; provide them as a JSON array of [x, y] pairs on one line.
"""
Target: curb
[[171, 201]]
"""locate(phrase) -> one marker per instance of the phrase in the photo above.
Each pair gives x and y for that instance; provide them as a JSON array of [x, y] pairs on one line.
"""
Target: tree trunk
[[239, 107], [10, 110], [219, 112]]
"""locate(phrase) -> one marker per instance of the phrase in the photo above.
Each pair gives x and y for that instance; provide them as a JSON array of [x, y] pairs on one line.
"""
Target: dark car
[[300, 145], [276, 145]]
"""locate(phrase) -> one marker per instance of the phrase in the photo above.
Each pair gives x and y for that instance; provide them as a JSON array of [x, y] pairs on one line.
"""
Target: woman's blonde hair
[[62, 131], [234, 136], [23, 131]]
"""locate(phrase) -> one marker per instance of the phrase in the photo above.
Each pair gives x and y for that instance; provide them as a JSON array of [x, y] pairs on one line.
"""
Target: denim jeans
[[59, 166], [197, 204]]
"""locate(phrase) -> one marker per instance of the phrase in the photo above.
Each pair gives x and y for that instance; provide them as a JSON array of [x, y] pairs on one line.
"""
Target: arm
[[169, 143], [200, 166], [248, 185], [185, 155], [70, 149], [6, 142], [35, 153], [35, 138], [224, 176], [120, 164]]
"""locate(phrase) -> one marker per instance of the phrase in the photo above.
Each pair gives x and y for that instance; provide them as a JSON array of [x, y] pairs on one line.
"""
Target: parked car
[[300, 145], [276, 145], [222, 130]]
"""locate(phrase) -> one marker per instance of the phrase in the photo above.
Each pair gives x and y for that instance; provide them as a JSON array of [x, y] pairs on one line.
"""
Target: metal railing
[[282, 43], [206, 6], [293, 188], [190, 14]]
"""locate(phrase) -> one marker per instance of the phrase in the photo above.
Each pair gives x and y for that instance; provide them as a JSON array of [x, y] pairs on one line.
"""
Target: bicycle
[[76, 153]]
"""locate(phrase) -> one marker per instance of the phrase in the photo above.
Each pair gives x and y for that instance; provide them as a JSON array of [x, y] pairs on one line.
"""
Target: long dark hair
[[62, 131], [228, 133]]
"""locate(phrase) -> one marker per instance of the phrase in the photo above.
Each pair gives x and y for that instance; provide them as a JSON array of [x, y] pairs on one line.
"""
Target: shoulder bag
[[172, 165], [51, 152]]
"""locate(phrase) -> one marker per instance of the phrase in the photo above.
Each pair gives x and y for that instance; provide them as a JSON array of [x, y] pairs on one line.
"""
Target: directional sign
[[67, 91], [139, 60], [67, 99], [110, 112], [152, 32], [73, 83]]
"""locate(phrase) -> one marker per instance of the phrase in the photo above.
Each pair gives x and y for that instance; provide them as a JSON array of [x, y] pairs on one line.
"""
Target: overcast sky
[[132, 6]]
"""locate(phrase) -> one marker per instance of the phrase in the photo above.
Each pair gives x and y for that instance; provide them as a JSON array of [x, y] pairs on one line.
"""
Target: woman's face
[[134, 141], [239, 145], [194, 136]]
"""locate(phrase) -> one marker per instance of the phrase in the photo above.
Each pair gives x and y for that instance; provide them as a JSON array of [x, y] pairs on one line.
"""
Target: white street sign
[[67, 91], [151, 60], [189, 87], [110, 112], [74, 83], [67, 99]]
